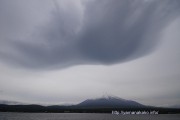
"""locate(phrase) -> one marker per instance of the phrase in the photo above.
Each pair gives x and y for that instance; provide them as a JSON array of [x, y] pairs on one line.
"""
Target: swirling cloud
[[43, 34]]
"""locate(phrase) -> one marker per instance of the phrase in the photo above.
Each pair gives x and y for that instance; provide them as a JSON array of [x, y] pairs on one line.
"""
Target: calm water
[[82, 116]]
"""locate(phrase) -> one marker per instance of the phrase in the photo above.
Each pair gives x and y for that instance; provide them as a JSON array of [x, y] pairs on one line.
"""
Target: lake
[[83, 116]]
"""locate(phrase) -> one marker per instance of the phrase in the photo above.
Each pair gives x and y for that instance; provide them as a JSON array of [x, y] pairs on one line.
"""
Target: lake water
[[83, 116]]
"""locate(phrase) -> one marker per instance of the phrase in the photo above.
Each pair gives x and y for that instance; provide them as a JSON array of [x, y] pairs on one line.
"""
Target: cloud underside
[[88, 32]]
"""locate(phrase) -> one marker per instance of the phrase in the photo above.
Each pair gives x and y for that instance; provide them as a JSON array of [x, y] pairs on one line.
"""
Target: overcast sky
[[66, 51]]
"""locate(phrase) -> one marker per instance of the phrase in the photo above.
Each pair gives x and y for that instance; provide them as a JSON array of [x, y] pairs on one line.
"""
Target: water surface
[[83, 116]]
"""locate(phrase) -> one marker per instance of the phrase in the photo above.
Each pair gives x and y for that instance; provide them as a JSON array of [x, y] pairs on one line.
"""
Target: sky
[[66, 51]]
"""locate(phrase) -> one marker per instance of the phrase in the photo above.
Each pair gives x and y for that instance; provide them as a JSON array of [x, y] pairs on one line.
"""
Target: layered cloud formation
[[56, 51], [43, 33]]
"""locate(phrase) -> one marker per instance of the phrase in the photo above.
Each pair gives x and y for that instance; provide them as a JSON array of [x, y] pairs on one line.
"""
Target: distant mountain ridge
[[7, 102], [100, 105], [110, 102], [174, 106], [106, 101]]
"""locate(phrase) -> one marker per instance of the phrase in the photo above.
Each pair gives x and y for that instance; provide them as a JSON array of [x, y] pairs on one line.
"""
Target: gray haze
[[64, 51]]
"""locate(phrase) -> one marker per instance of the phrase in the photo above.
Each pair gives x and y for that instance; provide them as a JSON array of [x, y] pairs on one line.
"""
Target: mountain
[[7, 102], [99, 105], [174, 106], [109, 102]]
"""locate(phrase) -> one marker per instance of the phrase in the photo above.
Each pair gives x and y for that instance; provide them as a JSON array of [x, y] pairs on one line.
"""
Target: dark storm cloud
[[106, 32], [115, 30]]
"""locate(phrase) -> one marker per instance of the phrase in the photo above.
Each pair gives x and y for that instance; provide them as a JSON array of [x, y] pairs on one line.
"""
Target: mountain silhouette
[[100, 105], [109, 102]]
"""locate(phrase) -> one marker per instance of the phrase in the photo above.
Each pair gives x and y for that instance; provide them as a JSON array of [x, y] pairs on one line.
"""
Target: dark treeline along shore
[[101, 105]]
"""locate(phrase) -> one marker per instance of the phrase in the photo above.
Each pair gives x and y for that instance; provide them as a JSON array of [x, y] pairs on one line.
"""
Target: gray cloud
[[1, 91], [91, 32], [123, 30]]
